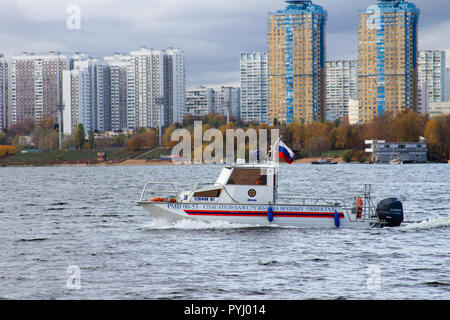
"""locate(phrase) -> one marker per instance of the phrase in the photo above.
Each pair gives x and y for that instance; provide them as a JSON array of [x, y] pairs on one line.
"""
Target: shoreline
[[144, 162]]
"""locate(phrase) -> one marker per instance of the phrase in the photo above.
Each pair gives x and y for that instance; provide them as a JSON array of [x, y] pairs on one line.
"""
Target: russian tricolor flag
[[285, 153]]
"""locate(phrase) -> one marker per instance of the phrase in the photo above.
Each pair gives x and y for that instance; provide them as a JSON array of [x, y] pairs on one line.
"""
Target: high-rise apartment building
[[447, 62], [118, 65], [448, 84], [254, 104], [342, 85], [353, 111], [433, 74], [387, 58], [199, 100], [230, 101], [103, 91], [296, 51], [86, 95], [36, 86], [145, 88], [226, 101], [4, 114], [174, 85]]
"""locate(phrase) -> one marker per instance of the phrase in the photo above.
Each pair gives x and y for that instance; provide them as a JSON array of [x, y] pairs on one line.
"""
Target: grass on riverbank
[[66, 156]]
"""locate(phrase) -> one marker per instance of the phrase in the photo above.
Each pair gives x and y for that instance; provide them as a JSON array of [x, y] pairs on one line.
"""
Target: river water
[[78, 233]]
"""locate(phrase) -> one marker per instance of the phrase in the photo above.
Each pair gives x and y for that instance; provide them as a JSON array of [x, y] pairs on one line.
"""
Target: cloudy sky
[[212, 33]]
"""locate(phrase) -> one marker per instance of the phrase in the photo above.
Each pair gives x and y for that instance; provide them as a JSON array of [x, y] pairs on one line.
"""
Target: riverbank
[[132, 162]]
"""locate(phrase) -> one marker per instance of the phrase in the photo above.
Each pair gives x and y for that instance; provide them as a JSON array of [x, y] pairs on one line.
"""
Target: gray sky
[[211, 33]]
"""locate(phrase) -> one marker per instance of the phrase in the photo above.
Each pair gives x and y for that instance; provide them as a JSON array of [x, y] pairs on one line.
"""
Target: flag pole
[[272, 148]]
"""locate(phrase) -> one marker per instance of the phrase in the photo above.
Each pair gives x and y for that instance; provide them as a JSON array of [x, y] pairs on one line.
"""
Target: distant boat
[[323, 162]]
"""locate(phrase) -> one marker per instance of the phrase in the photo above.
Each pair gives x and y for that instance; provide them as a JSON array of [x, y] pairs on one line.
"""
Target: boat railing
[[368, 211], [159, 189]]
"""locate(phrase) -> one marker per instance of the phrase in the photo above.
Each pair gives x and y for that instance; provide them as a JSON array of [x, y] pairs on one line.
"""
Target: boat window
[[209, 193], [248, 177]]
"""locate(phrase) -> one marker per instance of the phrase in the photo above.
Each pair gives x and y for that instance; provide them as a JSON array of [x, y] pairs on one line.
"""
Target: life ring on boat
[[158, 199], [172, 200], [359, 207]]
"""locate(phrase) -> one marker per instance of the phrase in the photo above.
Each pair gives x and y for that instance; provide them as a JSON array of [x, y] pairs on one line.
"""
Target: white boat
[[248, 194], [396, 161]]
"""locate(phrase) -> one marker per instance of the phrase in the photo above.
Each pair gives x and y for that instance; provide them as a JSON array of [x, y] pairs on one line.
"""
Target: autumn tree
[[407, 127], [437, 134], [79, 136]]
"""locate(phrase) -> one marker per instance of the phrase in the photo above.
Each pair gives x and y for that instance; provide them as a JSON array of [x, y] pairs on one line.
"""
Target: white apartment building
[[199, 100], [118, 65], [103, 91], [423, 99], [145, 89], [231, 101], [448, 84], [353, 111], [254, 87], [439, 108], [432, 77], [86, 95], [36, 86], [3, 93], [342, 85], [226, 101], [174, 86]]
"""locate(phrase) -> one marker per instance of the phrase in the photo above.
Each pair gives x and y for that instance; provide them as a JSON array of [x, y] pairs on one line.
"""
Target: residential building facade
[[226, 101], [439, 108], [254, 99], [432, 77], [387, 58], [36, 86], [85, 95], [4, 114], [342, 85], [118, 66], [353, 111], [145, 89], [296, 62], [199, 100], [174, 86]]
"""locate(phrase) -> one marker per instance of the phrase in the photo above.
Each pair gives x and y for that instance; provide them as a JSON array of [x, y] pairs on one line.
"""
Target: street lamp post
[[160, 101], [60, 114]]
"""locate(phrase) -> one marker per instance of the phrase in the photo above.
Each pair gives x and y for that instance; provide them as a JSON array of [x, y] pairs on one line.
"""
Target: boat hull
[[286, 215]]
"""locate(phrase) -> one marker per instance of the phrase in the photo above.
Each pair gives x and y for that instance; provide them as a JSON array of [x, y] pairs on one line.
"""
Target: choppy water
[[53, 218]]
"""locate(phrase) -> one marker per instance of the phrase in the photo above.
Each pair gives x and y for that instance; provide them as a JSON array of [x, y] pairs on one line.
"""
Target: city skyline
[[210, 33]]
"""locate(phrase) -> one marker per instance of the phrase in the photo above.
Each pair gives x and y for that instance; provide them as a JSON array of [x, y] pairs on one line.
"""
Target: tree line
[[306, 139]]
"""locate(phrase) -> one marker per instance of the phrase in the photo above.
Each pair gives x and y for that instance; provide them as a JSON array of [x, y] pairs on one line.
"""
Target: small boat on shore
[[396, 161], [323, 161], [248, 194]]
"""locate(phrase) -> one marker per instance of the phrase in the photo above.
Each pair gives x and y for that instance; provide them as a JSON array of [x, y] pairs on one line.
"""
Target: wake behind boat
[[248, 194]]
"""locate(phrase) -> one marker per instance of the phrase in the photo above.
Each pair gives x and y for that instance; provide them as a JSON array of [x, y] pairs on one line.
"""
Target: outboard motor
[[390, 212]]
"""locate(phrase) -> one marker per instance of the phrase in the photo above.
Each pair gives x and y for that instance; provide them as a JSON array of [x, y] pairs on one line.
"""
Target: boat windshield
[[248, 177]]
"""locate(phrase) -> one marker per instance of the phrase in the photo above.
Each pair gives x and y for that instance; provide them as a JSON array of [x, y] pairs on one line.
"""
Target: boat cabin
[[243, 184]]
